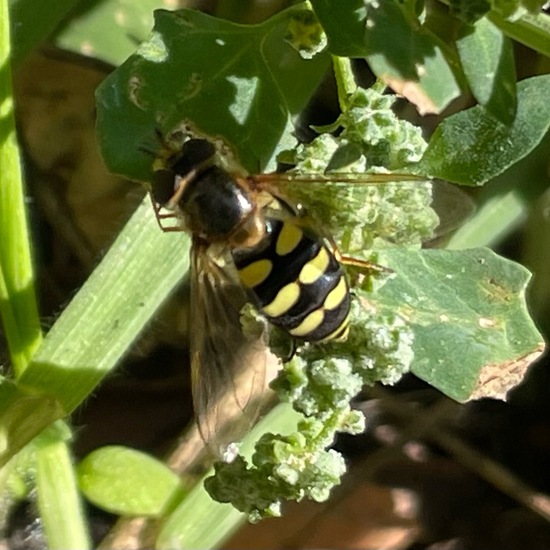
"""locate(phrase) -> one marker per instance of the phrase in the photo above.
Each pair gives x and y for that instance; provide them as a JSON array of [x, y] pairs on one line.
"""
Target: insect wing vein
[[228, 367]]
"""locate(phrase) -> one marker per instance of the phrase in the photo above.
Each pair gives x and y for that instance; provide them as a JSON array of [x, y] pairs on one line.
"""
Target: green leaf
[[32, 22], [469, 11], [533, 30], [471, 147], [488, 63], [242, 83], [472, 10], [127, 482], [104, 318], [405, 56], [506, 202], [109, 30], [473, 334]]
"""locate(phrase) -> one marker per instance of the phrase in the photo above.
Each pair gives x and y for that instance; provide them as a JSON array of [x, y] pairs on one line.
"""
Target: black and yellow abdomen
[[297, 282], [289, 272]]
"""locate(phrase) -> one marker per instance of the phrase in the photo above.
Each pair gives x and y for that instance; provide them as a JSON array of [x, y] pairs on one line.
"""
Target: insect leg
[[164, 216], [365, 265]]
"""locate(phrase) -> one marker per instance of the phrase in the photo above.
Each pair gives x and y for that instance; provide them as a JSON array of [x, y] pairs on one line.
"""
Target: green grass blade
[[17, 295], [98, 326]]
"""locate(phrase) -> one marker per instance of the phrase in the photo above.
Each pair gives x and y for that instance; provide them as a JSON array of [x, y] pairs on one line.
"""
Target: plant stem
[[531, 30], [58, 497], [17, 291], [345, 79]]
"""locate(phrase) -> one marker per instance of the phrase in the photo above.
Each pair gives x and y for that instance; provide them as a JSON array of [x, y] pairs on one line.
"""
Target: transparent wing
[[391, 207], [227, 366], [453, 206]]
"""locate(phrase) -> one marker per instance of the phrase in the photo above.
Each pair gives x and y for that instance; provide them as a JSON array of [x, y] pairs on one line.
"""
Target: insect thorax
[[215, 205]]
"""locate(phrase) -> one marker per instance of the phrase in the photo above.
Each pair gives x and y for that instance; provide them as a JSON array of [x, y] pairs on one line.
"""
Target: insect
[[250, 243]]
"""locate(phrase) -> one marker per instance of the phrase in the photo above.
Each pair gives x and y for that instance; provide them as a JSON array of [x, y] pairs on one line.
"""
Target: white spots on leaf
[[154, 49], [245, 95], [134, 85], [485, 322]]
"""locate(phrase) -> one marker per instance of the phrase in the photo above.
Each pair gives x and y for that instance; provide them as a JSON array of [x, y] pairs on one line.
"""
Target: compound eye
[[194, 154], [199, 150], [163, 186]]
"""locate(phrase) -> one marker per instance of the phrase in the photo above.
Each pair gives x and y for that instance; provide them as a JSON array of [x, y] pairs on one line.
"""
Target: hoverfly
[[250, 243]]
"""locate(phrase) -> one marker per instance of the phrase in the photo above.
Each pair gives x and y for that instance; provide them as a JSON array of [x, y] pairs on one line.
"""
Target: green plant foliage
[[109, 31], [371, 140], [128, 482], [370, 136], [532, 30], [488, 63], [241, 83], [409, 59], [506, 202], [445, 315], [471, 11], [472, 146], [57, 492], [95, 330], [45, 465], [285, 468], [32, 22], [18, 307], [468, 314]]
